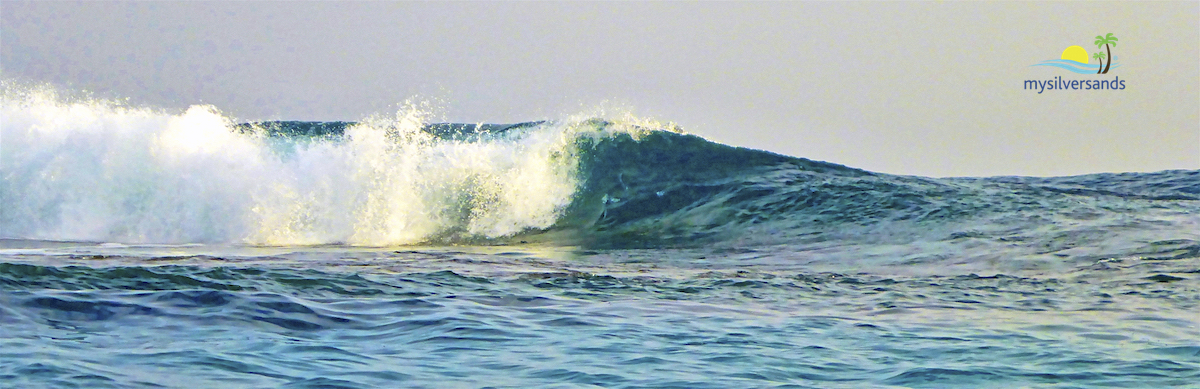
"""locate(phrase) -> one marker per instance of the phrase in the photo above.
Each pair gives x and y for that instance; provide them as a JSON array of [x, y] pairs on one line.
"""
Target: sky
[[916, 88]]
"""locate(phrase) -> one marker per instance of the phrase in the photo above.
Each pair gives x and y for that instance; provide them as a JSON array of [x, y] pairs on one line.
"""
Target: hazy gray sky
[[912, 88]]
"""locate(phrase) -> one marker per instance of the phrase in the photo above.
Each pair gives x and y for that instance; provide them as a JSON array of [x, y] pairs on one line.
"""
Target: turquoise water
[[142, 249], [1077, 67], [79, 315]]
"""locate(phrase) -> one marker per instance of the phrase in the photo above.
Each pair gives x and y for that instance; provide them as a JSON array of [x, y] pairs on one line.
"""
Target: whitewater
[[148, 247]]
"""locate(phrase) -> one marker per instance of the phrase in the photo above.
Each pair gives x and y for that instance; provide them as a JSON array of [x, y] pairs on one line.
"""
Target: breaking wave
[[101, 171]]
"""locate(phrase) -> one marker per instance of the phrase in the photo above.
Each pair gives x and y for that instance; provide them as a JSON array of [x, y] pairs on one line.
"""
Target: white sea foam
[[101, 171]]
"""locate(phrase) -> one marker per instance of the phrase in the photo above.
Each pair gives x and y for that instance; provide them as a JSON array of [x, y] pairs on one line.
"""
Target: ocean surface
[[144, 248]]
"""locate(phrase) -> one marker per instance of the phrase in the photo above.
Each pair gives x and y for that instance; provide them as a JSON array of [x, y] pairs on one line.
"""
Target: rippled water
[[582, 252], [97, 316]]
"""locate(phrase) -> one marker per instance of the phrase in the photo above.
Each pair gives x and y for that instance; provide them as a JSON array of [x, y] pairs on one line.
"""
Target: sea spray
[[101, 171]]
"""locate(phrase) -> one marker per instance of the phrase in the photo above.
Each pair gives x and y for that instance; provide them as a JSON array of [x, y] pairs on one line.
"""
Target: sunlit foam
[[101, 171]]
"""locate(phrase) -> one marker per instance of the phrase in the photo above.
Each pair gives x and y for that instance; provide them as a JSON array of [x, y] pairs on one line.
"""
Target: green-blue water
[[149, 250], [97, 317]]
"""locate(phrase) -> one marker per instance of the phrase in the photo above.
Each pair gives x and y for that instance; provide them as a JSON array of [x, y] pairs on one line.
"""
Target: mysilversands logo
[[1075, 59]]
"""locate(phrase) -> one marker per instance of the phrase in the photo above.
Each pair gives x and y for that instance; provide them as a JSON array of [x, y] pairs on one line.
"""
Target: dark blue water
[[145, 250], [442, 317]]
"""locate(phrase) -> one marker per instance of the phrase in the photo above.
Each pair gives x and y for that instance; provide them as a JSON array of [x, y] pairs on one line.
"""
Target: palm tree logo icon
[[1106, 41], [1099, 56], [1075, 58]]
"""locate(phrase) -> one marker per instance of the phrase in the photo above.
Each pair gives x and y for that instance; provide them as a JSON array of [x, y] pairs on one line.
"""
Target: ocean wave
[[95, 171]]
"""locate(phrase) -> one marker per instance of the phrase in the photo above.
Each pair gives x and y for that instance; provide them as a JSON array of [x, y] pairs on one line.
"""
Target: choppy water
[[150, 249], [93, 316]]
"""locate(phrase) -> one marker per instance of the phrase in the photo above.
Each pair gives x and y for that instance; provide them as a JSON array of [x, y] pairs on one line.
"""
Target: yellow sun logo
[[1075, 53], [1077, 60]]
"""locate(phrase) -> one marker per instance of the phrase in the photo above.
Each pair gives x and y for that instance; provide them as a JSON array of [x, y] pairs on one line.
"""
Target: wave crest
[[97, 171]]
